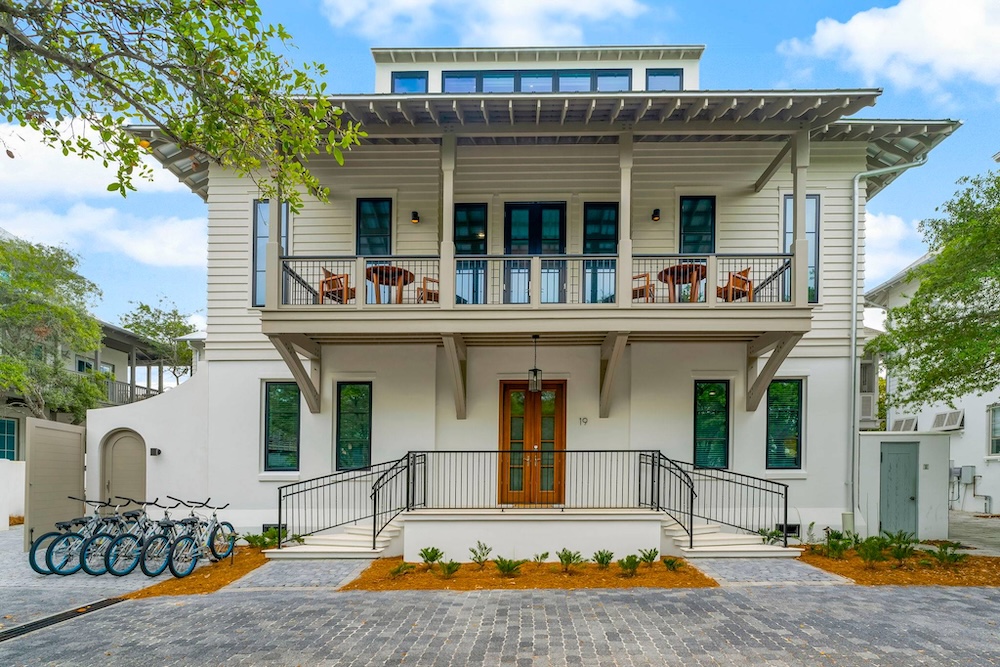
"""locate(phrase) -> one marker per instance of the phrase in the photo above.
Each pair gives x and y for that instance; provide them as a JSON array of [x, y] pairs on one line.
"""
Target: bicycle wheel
[[222, 539], [123, 555], [63, 555], [36, 557], [155, 555], [92, 554], [183, 556]]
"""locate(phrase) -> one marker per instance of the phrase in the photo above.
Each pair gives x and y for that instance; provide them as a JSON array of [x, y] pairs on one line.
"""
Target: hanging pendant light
[[535, 374]]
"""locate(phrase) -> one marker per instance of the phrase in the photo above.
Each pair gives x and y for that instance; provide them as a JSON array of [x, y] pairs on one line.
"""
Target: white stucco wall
[[932, 482], [11, 489]]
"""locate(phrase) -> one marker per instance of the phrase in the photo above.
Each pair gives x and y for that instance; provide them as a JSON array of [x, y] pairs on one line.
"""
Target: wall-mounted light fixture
[[153, 451], [656, 215], [415, 218], [535, 374]]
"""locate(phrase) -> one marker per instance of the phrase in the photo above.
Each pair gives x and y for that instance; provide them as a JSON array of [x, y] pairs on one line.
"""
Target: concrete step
[[717, 539], [347, 540], [675, 529], [307, 551], [740, 551], [389, 531]]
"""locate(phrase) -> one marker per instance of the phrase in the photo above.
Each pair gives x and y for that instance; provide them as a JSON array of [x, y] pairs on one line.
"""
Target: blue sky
[[930, 63]]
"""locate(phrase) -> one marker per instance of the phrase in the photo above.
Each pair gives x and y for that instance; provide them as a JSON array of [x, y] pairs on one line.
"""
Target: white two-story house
[[558, 291]]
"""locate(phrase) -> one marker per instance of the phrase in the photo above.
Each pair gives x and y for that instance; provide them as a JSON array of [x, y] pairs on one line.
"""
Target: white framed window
[[950, 420], [83, 365], [993, 412], [8, 438], [904, 424]]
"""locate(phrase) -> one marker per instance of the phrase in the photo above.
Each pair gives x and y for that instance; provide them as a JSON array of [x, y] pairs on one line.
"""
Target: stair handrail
[[685, 519], [400, 465]]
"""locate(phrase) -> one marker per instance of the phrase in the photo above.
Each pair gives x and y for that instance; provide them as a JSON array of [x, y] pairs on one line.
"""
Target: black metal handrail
[[675, 500], [312, 505], [390, 494]]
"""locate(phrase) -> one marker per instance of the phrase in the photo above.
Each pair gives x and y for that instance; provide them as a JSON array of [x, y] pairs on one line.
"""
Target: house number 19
[[583, 421]]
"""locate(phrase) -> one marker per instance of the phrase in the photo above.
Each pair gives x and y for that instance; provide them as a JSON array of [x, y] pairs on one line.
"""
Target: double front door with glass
[[532, 443]]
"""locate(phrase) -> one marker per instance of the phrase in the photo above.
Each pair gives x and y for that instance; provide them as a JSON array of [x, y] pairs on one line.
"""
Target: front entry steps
[[349, 542], [711, 542]]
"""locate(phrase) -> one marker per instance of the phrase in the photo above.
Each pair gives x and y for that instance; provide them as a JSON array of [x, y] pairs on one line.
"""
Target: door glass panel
[[517, 428], [552, 231], [548, 398], [520, 231], [548, 428], [517, 403], [548, 478], [516, 460]]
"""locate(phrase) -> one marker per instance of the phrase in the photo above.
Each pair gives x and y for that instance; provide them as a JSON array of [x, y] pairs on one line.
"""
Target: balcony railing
[[537, 281], [120, 393]]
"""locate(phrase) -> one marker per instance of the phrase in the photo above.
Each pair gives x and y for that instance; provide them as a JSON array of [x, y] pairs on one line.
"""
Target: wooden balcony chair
[[426, 294], [644, 290], [336, 287], [738, 286]]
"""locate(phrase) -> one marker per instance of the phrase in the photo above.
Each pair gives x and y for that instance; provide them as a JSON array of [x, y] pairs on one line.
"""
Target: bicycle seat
[[166, 523], [64, 525], [131, 514], [188, 520], [80, 521]]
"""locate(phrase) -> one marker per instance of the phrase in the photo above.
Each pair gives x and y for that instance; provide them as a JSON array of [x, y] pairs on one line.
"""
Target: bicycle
[[41, 544], [94, 548], [125, 551], [212, 538], [62, 556]]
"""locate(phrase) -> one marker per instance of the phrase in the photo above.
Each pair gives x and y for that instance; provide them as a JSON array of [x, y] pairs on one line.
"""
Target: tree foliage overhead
[[945, 342], [43, 320], [204, 72], [163, 324]]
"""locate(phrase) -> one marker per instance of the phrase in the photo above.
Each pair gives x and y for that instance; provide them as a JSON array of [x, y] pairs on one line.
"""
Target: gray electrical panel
[[968, 473]]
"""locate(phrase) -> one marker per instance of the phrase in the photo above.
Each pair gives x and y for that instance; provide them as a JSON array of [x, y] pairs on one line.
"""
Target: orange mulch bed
[[17, 521], [208, 578], [547, 575], [916, 571]]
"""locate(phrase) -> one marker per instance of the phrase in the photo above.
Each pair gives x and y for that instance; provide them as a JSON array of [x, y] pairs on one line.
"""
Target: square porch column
[[800, 245], [446, 270], [273, 266], [625, 145]]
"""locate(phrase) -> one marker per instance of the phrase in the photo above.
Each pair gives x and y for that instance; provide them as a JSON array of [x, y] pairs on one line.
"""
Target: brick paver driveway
[[314, 625]]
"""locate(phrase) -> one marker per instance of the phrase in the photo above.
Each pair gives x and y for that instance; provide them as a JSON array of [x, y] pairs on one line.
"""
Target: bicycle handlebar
[[193, 504], [99, 503], [141, 502]]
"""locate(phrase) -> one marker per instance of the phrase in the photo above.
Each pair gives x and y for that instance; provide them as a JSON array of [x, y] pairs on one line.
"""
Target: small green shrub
[[540, 558], [603, 558], [629, 565], [811, 533], [269, 538], [673, 564], [508, 567], [870, 551], [925, 562], [448, 568], [835, 548], [569, 558], [649, 556], [901, 552], [480, 554], [431, 555], [401, 569], [771, 536], [946, 556], [900, 538]]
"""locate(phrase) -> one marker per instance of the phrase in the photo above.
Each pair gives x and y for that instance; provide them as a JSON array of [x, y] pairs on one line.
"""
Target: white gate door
[[55, 456]]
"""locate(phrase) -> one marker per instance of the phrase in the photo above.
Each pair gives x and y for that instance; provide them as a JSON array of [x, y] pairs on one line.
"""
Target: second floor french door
[[533, 229]]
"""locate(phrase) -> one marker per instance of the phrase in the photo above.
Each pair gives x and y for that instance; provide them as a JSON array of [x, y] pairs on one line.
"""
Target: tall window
[[84, 365], [812, 236], [711, 423], [600, 237], [470, 239], [697, 225], [8, 439], [260, 238], [374, 227], [409, 82], [994, 412], [354, 425], [281, 426], [784, 425], [664, 79]]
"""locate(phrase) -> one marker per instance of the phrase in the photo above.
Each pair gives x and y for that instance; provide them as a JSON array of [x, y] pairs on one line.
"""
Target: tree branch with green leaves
[[207, 74], [163, 324]]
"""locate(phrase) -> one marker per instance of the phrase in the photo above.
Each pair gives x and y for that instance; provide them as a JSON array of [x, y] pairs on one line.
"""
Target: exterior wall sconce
[[656, 215], [153, 451], [535, 374], [415, 218]]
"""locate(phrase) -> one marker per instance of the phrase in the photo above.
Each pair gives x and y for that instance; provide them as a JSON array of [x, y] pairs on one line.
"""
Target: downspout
[[853, 397]]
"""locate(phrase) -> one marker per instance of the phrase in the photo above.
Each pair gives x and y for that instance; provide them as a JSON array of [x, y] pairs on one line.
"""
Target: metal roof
[[508, 56], [877, 295]]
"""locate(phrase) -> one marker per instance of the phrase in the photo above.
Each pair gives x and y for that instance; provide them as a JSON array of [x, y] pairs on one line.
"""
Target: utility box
[[968, 474]]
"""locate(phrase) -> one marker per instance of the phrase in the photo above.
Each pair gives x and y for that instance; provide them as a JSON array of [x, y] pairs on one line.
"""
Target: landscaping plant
[[448, 568], [269, 538], [540, 558], [836, 545], [673, 564], [480, 554], [649, 556], [870, 551], [569, 558], [431, 555], [603, 558], [946, 555], [508, 567], [901, 546], [771, 536], [401, 569], [629, 565]]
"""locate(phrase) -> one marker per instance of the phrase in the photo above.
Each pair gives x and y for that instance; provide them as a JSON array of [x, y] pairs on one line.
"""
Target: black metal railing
[[674, 492], [757, 278], [740, 501], [397, 489], [321, 503]]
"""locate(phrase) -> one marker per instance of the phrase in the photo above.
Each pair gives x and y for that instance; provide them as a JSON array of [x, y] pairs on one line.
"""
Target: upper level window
[[613, 81], [812, 236], [8, 439], [409, 82], [84, 365], [260, 239], [374, 227], [537, 81], [498, 82], [664, 79], [994, 413], [697, 225], [470, 229]]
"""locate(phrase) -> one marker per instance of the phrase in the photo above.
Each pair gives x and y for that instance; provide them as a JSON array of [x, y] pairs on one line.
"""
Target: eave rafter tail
[[612, 351], [289, 347], [456, 356], [781, 345]]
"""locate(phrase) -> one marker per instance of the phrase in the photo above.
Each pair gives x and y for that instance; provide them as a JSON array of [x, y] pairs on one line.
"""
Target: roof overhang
[[877, 296], [123, 340], [494, 55], [190, 167]]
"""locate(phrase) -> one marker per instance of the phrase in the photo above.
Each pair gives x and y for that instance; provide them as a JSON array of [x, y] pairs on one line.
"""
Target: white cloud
[[919, 44], [153, 240], [891, 244], [198, 321], [40, 172], [480, 22]]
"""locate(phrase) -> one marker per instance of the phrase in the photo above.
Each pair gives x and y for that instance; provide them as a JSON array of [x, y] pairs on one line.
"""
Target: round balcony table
[[679, 274], [387, 274]]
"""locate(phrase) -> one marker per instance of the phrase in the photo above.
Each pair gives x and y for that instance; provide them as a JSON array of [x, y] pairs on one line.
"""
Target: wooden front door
[[532, 437]]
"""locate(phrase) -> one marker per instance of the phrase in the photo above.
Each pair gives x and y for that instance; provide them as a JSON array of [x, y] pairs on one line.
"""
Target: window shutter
[[784, 424]]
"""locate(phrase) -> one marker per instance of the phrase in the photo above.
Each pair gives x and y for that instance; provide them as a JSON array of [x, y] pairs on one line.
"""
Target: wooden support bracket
[[757, 383], [455, 353], [308, 380], [612, 351]]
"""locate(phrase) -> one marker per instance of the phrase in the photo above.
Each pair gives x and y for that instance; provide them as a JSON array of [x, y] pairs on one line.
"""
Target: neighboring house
[[973, 424], [676, 261]]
